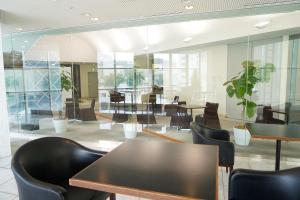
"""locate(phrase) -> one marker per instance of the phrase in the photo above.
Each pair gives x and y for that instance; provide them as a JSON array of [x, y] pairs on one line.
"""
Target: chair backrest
[[198, 134], [267, 113], [93, 104], [261, 185], [51, 159], [176, 99], [181, 102], [211, 109], [171, 109]]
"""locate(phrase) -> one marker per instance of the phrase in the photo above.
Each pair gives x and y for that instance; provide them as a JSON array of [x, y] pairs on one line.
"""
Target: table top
[[192, 106], [280, 111], [156, 170], [290, 132]]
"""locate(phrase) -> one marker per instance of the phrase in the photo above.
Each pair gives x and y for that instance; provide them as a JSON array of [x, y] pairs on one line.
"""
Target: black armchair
[[204, 135], [116, 98], [260, 185], [42, 169], [88, 114], [210, 117]]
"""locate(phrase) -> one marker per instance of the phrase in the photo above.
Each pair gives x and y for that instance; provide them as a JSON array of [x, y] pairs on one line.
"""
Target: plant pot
[[130, 131], [60, 125], [241, 135]]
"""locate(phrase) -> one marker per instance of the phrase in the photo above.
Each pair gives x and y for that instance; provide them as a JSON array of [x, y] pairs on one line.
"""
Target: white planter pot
[[60, 125], [130, 131], [241, 136]]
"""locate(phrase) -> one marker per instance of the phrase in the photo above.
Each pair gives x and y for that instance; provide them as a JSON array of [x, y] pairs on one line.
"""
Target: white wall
[[84, 81], [4, 128], [69, 48]]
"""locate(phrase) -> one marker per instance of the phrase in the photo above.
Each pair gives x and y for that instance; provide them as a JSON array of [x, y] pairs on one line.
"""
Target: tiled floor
[[258, 155]]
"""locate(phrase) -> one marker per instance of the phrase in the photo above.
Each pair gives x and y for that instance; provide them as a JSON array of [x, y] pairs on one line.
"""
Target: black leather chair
[[43, 167], [210, 117], [204, 135], [261, 185]]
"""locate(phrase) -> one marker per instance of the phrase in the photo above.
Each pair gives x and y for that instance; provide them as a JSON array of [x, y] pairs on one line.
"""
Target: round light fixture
[[19, 28], [86, 14], [188, 7], [188, 39], [262, 24], [94, 19]]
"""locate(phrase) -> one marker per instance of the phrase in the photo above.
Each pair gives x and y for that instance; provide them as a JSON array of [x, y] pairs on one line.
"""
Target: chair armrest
[[32, 188], [220, 135], [226, 151]]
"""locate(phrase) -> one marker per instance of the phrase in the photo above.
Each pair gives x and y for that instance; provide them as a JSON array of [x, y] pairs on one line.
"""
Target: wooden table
[[155, 170], [191, 107], [276, 132]]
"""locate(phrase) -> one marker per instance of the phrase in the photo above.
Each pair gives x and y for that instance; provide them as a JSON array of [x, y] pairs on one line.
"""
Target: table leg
[[278, 149]]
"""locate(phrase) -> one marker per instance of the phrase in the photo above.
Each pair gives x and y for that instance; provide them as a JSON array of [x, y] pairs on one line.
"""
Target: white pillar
[[284, 70], [4, 127]]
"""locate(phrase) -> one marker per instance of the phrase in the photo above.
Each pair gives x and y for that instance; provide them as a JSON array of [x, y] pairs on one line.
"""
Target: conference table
[[154, 170], [290, 132]]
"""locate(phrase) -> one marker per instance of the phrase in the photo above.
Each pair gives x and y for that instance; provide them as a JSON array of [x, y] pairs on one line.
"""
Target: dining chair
[[42, 169], [210, 117], [245, 184], [88, 114], [116, 98], [221, 138]]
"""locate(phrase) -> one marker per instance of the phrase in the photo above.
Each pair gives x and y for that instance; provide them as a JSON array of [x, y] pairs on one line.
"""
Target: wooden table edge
[[275, 138], [126, 191]]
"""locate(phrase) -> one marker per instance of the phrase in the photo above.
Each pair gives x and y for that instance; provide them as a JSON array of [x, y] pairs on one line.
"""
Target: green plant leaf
[[230, 91], [250, 108]]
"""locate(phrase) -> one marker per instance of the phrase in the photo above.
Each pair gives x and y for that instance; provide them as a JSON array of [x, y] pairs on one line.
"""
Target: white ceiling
[[50, 14], [83, 47]]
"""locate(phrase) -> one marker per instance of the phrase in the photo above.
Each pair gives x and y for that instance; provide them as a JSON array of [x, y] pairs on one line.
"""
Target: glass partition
[[156, 78]]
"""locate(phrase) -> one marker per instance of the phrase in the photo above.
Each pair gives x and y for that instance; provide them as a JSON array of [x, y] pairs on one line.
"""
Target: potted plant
[[61, 122], [241, 87]]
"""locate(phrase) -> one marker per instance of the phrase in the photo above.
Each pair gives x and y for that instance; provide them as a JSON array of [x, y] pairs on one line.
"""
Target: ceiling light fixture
[[188, 7], [86, 14], [145, 48], [25, 41], [188, 39], [262, 24], [19, 28], [94, 19]]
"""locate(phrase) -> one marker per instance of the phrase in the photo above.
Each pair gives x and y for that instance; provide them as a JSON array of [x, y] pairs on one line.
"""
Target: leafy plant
[[241, 86], [66, 81]]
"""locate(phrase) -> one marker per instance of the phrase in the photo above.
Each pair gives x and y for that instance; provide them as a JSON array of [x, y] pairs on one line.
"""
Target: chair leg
[[226, 169], [112, 197]]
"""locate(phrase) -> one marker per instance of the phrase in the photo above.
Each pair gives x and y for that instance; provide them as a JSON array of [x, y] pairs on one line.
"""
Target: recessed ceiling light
[[94, 19], [25, 41], [188, 7], [86, 14], [262, 24], [19, 28], [188, 39], [186, 1], [145, 48]]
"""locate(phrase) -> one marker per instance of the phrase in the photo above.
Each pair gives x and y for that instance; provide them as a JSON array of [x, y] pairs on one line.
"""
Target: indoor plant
[[61, 122], [241, 87]]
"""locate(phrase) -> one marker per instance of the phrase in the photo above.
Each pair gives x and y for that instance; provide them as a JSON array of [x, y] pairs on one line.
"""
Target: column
[[4, 127]]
